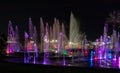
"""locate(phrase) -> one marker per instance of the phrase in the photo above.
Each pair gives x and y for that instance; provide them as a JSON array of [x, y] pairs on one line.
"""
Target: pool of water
[[81, 61]]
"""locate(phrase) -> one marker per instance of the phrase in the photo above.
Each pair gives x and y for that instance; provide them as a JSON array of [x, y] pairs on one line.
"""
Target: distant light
[[119, 62], [70, 43], [95, 58], [86, 52], [56, 51], [7, 51], [52, 41], [55, 40], [66, 47], [71, 53], [114, 58], [65, 52], [110, 56], [91, 63]]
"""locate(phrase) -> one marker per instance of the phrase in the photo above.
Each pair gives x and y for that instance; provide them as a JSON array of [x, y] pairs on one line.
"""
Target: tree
[[114, 19], [3, 42]]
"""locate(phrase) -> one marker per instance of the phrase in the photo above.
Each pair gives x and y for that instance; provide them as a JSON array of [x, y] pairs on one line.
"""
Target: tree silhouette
[[114, 19], [3, 40]]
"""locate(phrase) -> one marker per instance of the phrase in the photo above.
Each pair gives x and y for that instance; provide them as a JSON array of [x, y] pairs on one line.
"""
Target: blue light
[[91, 63], [109, 56]]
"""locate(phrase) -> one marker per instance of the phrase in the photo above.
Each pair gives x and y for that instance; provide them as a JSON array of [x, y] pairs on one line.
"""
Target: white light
[[103, 43], [52, 41], [31, 41], [55, 40], [56, 51], [70, 43], [45, 40]]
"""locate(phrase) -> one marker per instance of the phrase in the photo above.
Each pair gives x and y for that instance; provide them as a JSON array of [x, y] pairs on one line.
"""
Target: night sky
[[91, 14]]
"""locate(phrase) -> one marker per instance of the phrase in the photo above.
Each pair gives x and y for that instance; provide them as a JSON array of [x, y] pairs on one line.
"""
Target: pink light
[[95, 58], [54, 46], [86, 52], [71, 53], [29, 46], [7, 51]]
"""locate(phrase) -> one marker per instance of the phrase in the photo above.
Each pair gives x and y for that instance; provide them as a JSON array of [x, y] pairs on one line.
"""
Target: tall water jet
[[51, 41], [104, 39], [35, 45], [35, 35], [74, 32], [58, 37], [55, 34], [100, 51], [54, 30], [115, 42], [42, 33], [30, 29], [35, 53], [12, 39], [46, 46], [64, 39], [17, 45], [84, 42], [26, 52]]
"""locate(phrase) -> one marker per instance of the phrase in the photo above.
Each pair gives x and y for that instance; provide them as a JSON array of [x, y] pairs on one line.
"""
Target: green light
[[65, 52]]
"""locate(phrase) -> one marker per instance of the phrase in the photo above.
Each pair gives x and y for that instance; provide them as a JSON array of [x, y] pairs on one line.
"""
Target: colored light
[[91, 57], [91, 63], [110, 56], [95, 58], [29, 46], [86, 52], [56, 51], [71, 52], [119, 62], [66, 47], [114, 59], [54, 46], [7, 51], [65, 52], [79, 46]]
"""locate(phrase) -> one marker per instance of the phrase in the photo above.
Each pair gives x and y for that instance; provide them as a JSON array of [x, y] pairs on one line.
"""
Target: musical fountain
[[54, 47]]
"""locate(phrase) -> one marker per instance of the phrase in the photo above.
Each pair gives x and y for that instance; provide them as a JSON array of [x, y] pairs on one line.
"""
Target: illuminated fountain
[[30, 44], [13, 44], [75, 37], [107, 49], [35, 45], [46, 46], [26, 52], [55, 48], [53, 38]]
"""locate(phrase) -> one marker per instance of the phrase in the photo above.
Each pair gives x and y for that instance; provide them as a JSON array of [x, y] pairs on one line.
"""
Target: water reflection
[[82, 62], [91, 63]]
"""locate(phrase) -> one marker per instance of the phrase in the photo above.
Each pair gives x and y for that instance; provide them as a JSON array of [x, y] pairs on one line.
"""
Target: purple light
[[114, 59], [44, 62], [100, 55], [64, 63], [119, 62], [105, 56]]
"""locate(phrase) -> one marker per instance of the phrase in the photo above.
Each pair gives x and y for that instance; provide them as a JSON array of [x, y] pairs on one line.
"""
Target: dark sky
[[91, 14]]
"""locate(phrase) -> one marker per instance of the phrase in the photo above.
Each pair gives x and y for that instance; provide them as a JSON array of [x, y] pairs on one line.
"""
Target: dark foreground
[[16, 67], [7, 67]]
